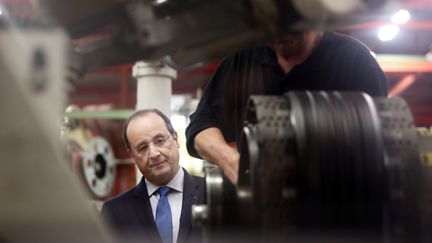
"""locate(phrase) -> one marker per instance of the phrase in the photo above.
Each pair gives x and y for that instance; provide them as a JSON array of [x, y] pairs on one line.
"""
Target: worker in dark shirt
[[310, 60]]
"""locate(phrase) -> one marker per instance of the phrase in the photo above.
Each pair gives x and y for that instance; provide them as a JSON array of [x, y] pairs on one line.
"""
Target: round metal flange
[[98, 166]]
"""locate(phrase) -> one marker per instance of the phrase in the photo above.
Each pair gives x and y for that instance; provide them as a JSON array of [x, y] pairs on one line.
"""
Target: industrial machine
[[314, 166], [339, 166]]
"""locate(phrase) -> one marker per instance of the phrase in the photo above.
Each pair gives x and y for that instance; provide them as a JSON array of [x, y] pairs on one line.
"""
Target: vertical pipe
[[153, 88]]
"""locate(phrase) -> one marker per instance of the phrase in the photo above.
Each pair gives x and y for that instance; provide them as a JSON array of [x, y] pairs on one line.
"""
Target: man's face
[[154, 149], [289, 45]]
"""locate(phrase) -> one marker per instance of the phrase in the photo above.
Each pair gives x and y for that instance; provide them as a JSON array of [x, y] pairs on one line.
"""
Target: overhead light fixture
[[388, 32], [401, 17], [159, 2]]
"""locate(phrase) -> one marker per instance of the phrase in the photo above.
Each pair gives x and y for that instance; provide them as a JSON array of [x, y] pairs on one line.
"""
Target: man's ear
[[176, 139], [130, 153]]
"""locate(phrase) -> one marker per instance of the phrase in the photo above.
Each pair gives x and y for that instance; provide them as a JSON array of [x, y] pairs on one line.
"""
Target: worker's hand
[[211, 146], [230, 164]]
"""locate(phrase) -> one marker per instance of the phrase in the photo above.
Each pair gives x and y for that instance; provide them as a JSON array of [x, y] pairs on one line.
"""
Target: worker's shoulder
[[257, 50], [249, 55], [341, 41]]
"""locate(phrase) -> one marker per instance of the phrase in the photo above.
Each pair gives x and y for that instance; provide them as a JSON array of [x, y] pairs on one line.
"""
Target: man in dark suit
[[159, 208]]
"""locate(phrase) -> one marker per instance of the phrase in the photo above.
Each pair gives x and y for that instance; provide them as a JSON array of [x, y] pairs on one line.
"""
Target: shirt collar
[[176, 183]]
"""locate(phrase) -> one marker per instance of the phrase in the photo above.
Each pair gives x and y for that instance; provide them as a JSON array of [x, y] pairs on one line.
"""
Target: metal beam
[[112, 114], [404, 63], [402, 85], [416, 25]]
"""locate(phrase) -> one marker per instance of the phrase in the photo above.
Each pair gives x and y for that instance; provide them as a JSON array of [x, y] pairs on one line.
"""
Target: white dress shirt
[[175, 199]]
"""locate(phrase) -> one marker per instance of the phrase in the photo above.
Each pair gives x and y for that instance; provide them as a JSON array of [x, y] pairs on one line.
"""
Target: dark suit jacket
[[131, 217]]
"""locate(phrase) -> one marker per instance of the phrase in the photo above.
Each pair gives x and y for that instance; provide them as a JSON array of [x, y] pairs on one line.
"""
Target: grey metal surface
[[40, 200]]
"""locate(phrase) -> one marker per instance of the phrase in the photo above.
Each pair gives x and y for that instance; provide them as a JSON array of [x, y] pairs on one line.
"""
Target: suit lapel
[[191, 196], [143, 209]]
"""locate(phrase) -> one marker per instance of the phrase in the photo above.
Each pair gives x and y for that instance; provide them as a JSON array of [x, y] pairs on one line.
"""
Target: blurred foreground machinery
[[40, 200], [187, 32], [325, 166]]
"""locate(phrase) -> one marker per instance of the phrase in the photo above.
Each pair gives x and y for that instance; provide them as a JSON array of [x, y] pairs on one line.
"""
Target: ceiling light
[[401, 17], [388, 32], [159, 2]]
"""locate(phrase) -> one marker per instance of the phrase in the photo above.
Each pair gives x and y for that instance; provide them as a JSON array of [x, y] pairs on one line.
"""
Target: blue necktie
[[163, 216]]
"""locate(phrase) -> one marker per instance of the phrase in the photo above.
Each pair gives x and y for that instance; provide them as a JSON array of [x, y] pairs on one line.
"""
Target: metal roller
[[326, 165]]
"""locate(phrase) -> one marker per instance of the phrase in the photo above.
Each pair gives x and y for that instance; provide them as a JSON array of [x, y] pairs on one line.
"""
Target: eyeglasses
[[143, 150]]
